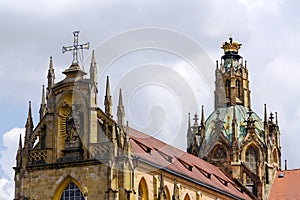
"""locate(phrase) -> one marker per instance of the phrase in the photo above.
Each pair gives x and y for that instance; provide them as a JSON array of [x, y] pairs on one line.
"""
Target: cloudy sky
[[32, 32]]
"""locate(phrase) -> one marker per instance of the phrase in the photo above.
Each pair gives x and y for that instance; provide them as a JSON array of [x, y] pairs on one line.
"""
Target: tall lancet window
[[251, 159], [238, 88], [227, 88], [142, 190]]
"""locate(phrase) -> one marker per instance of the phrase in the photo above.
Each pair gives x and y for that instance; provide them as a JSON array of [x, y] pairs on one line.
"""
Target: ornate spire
[[51, 77], [93, 68], [271, 117], [28, 128], [250, 121], [108, 99], [93, 81], [43, 104], [196, 124], [29, 122], [121, 112]]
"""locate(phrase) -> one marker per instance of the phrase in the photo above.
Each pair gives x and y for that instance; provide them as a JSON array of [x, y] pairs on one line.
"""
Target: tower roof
[[231, 46], [226, 114]]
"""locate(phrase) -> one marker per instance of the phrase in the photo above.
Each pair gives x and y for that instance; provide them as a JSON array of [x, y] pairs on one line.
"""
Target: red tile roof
[[173, 160], [286, 185]]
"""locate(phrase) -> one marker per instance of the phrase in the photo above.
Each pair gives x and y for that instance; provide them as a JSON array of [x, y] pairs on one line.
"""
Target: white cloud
[[7, 161]]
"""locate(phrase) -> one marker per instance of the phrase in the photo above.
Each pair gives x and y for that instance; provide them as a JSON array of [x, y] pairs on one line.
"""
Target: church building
[[234, 137], [78, 151]]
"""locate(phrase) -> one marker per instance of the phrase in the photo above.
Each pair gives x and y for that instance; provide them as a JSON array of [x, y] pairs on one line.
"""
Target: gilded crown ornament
[[231, 46]]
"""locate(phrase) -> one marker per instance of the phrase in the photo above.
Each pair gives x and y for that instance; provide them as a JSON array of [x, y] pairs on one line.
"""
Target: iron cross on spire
[[75, 48]]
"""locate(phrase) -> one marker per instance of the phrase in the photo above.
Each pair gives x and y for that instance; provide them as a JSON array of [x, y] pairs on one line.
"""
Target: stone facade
[[78, 151]]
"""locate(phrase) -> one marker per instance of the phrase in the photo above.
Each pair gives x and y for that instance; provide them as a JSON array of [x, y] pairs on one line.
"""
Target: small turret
[[43, 107], [108, 99], [121, 112]]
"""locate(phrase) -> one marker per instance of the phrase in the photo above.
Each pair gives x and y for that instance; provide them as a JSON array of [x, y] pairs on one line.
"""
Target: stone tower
[[74, 142], [234, 137]]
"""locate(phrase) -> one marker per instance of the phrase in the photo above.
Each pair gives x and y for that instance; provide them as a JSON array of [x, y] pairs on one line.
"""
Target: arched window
[[227, 88], [238, 88], [71, 192], [275, 156], [187, 197], [219, 153], [167, 193], [251, 159], [142, 190]]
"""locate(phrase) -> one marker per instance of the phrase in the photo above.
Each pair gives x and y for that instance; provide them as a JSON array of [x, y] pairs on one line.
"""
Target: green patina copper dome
[[226, 115]]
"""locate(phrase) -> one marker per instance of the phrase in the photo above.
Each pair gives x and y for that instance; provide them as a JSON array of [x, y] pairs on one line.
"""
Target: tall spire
[[189, 121], [29, 116], [51, 77], [265, 115], [19, 153], [28, 128], [93, 68], [189, 134], [43, 104], [93, 80], [108, 99], [20, 143], [202, 124], [121, 112]]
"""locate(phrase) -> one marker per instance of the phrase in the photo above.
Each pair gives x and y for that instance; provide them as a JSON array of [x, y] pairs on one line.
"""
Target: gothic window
[[250, 184], [187, 197], [72, 192], [274, 156], [167, 193], [142, 190], [220, 153], [251, 159], [238, 88], [227, 88]]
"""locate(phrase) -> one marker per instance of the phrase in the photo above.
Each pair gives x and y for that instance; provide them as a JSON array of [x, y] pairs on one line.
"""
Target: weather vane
[[75, 48]]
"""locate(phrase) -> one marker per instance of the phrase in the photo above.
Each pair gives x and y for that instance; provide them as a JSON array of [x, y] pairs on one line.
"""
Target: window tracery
[[220, 153], [71, 192]]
